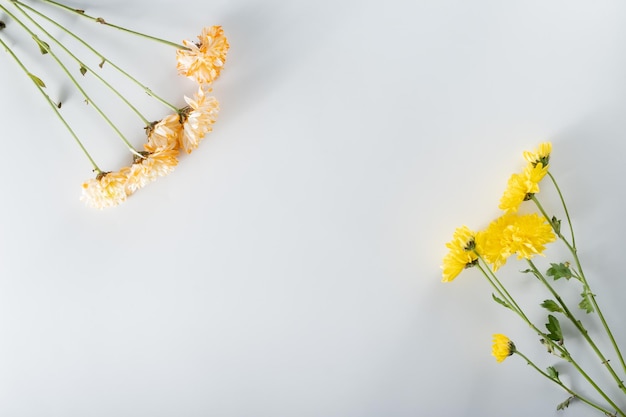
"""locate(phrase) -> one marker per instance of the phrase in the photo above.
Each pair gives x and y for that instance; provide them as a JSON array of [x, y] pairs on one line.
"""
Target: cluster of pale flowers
[[201, 62]]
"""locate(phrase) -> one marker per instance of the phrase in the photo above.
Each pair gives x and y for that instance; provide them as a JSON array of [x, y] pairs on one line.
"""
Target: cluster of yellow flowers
[[527, 235], [201, 62], [523, 234]]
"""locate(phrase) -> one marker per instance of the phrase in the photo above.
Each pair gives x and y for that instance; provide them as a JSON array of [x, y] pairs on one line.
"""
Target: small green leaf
[[552, 372], [37, 80], [554, 328], [564, 404], [526, 271], [551, 306], [586, 303], [561, 270], [44, 48], [83, 70], [500, 301], [556, 224]]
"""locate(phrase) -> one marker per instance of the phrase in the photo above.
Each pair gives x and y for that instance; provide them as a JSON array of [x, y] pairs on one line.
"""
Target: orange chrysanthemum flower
[[164, 134], [201, 113], [108, 189], [204, 60], [156, 164]]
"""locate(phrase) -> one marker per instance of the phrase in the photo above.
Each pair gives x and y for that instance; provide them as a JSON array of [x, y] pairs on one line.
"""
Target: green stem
[[82, 65], [567, 312], [569, 221], [586, 285], [99, 55], [52, 105], [501, 289], [100, 20], [45, 47], [566, 388], [564, 353]]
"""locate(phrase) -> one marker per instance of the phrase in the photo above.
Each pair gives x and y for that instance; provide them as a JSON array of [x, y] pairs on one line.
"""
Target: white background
[[291, 265]]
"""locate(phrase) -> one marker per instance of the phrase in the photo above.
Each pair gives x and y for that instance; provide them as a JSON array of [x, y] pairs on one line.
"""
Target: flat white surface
[[290, 266]]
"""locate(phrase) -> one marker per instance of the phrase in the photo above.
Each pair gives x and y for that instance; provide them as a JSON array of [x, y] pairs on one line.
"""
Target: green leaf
[[586, 303], [83, 70], [564, 404], [556, 224], [44, 48], [37, 80], [552, 372], [561, 270], [551, 306], [554, 328], [501, 301]]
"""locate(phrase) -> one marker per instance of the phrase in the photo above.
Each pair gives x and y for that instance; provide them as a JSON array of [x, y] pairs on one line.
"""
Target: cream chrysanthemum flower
[[108, 189], [204, 60], [155, 164], [164, 134], [524, 235], [461, 254], [540, 155], [199, 117], [502, 347], [521, 187]]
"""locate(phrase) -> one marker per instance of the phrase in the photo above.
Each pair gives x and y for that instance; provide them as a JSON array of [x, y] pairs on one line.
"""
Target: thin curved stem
[[566, 388], [577, 324], [52, 105], [103, 59], [564, 353], [45, 47], [100, 20], [569, 221], [86, 67], [587, 288], [501, 289]]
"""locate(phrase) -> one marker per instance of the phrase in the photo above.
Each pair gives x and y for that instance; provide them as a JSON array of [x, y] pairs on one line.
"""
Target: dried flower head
[[200, 115], [164, 134], [108, 189], [204, 60], [158, 163]]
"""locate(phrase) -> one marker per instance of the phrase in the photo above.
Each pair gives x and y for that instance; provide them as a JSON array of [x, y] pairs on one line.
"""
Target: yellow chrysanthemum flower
[[204, 60], [461, 254], [199, 117], [540, 155], [502, 347], [108, 189], [521, 187], [524, 235]]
